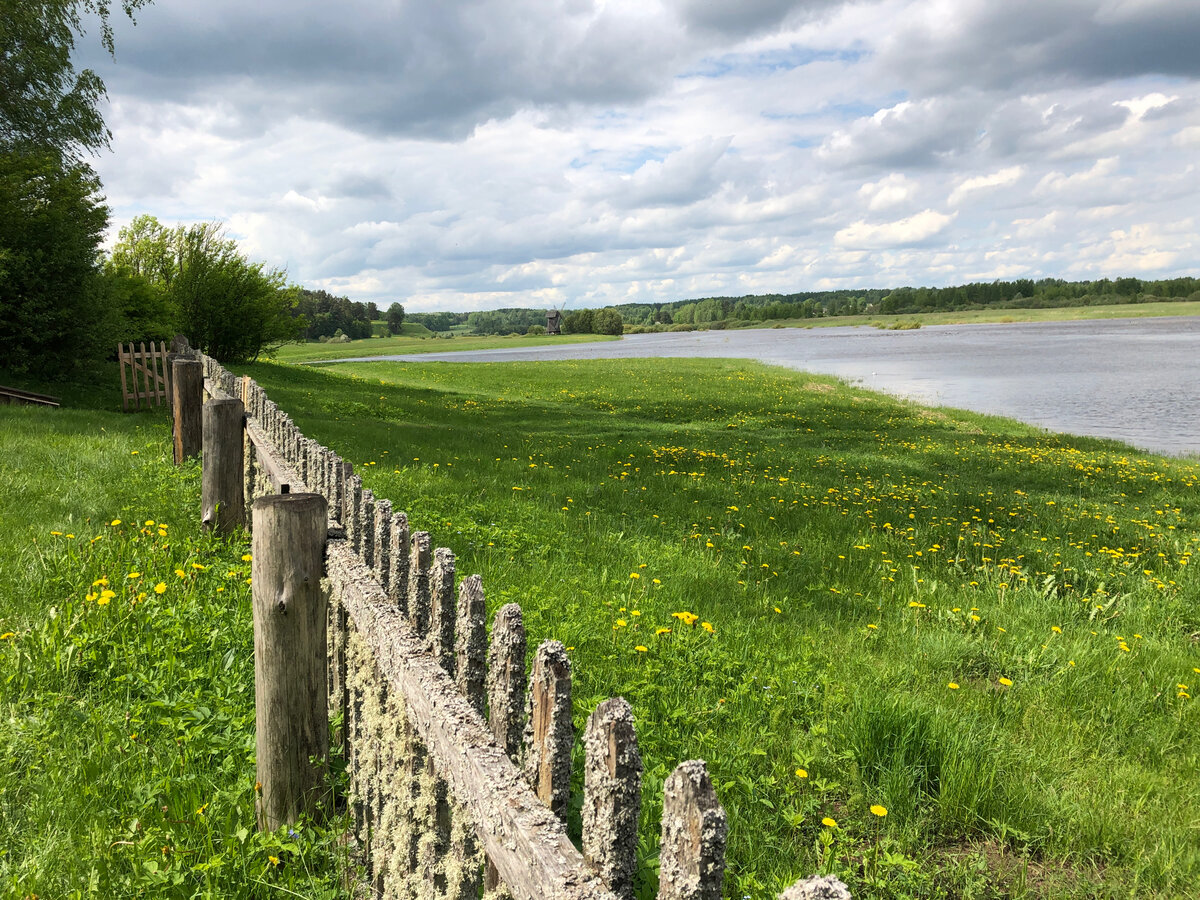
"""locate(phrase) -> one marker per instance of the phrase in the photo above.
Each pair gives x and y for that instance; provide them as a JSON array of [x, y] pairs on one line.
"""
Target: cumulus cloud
[[1003, 178], [902, 233], [596, 151]]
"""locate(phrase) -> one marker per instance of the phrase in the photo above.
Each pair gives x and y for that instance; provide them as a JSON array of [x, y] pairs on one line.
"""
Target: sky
[[476, 154]]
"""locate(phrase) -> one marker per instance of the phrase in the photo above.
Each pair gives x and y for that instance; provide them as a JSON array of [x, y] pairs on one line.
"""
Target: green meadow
[[127, 662], [936, 653], [419, 339]]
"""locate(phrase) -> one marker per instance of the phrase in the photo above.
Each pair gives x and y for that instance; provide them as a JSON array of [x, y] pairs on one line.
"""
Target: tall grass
[[840, 601], [127, 696]]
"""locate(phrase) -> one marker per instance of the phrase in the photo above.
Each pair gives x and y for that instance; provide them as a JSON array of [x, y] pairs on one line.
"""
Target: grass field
[[970, 644], [427, 343], [1004, 316], [127, 696]]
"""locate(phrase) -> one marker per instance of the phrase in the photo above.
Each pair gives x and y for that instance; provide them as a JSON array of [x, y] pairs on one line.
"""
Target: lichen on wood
[[470, 641], [549, 733], [506, 680], [612, 799], [692, 852]]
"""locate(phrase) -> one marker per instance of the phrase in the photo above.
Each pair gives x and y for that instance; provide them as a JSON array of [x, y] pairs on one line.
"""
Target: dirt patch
[[819, 387]]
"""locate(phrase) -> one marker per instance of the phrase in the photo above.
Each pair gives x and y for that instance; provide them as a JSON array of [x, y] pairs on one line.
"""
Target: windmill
[[553, 320]]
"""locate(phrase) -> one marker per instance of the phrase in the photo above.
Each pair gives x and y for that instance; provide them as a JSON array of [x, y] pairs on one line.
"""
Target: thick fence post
[[383, 543], [548, 730], [612, 798], [817, 887], [692, 854], [222, 478], [290, 689], [187, 396]]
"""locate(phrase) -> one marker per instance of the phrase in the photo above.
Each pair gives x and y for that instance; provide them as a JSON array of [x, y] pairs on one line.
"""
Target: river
[[1135, 380]]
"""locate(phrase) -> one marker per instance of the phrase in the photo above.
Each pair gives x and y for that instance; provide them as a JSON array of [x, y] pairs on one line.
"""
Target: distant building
[[553, 317]]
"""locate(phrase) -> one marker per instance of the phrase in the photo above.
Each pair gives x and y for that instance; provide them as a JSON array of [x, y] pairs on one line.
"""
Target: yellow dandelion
[[134, 575], [115, 522], [707, 626], [801, 773], [1007, 682], [640, 649], [181, 573], [1056, 629], [829, 823], [952, 685], [634, 575], [660, 631], [160, 588], [878, 810], [274, 860], [6, 636], [246, 557]]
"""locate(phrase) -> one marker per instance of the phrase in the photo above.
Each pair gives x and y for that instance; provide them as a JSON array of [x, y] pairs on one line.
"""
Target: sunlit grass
[[127, 697], [853, 557], [402, 344]]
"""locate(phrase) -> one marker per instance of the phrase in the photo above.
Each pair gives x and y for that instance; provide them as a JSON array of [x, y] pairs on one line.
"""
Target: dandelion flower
[[634, 575], [274, 860], [660, 631], [640, 649], [952, 685], [246, 557], [181, 573], [1007, 682], [829, 823], [1056, 629], [801, 773], [115, 522], [878, 810], [160, 588], [6, 636], [707, 626], [134, 575]]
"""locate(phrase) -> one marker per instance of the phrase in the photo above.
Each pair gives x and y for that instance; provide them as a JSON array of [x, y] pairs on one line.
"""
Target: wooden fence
[[459, 761], [145, 375]]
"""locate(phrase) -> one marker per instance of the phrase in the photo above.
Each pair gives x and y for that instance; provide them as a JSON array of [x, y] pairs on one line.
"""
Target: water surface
[[1136, 380]]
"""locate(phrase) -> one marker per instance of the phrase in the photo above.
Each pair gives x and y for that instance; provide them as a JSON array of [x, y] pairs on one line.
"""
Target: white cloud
[[1003, 178], [594, 151], [891, 191], [904, 232]]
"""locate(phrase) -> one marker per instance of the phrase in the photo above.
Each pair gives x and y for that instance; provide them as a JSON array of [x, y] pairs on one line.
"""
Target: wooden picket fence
[[459, 760], [145, 375]]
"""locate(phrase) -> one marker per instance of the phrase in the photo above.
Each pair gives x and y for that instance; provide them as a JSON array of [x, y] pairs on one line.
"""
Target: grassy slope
[[855, 556], [127, 734], [404, 344]]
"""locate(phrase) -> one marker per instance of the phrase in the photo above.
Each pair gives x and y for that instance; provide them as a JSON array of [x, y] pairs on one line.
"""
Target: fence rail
[[459, 760]]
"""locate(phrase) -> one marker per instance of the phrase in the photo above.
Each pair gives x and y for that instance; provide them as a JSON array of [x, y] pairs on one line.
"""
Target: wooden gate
[[149, 375]]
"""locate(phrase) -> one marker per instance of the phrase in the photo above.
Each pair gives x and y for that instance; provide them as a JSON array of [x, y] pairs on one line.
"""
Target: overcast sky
[[469, 155]]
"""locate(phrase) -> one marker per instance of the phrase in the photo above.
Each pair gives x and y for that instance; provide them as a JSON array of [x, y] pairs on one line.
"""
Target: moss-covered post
[[470, 641], [548, 730], [612, 798], [398, 550], [187, 397], [692, 854], [506, 680], [290, 692], [442, 609], [419, 560], [222, 478]]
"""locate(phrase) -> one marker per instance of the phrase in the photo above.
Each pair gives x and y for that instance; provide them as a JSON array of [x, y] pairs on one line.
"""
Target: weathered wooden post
[[506, 680], [692, 854], [222, 479], [612, 799], [187, 396], [470, 642], [548, 730], [290, 693]]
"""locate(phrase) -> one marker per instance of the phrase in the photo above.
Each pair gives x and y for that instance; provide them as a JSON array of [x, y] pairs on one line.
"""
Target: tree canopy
[[231, 308]]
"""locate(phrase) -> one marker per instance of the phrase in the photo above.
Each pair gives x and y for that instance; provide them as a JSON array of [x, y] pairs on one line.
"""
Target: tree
[[607, 321], [44, 102], [395, 318], [578, 322], [229, 307], [51, 222]]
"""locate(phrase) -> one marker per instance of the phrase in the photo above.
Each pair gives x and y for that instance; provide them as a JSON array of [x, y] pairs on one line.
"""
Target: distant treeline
[[325, 315]]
